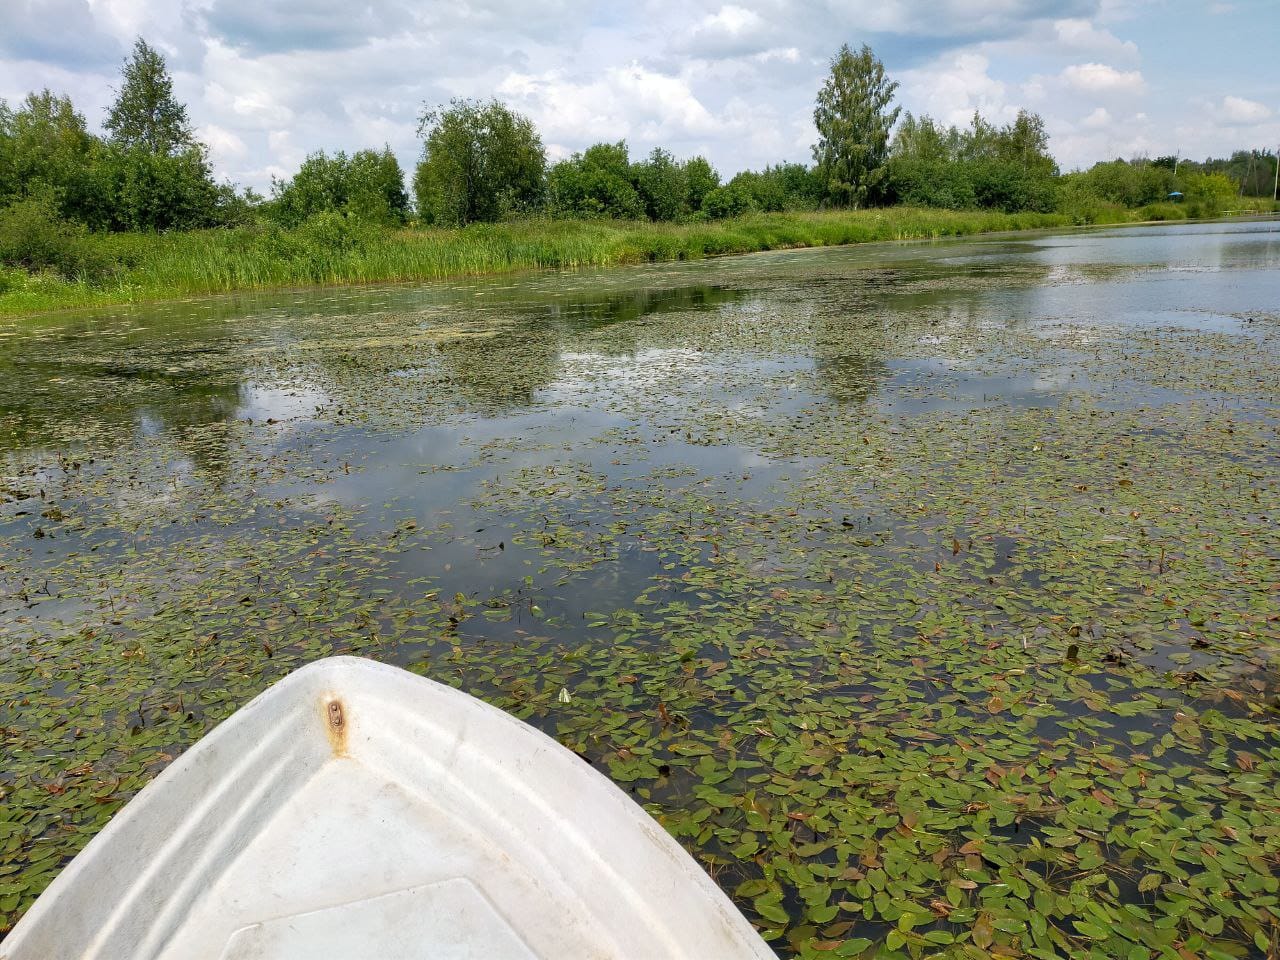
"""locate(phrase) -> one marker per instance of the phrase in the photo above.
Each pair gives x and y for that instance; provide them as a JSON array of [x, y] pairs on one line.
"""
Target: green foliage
[[331, 232], [368, 187], [854, 118], [596, 183], [1025, 142], [1163, 211], [1147, 186], [152, 175], [481, 162], [1007, 168], [160, 191], [1212, 192], [376, 193], [34, 237], [786, 186], [732, 200], [332, 248], [662, 186], [145, 112], [931, 183], [46, 150], [1128, 184], [700, 179], [1253, 171]]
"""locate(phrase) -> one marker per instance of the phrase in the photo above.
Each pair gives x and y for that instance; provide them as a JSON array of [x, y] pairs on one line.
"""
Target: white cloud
[[224, 145], [731, 31], [782, 54], [1239, 110], [629, 102], [952, 89], [1099, 119], [1100, 135], [1100, 78], [1082, 36], [268, 82]]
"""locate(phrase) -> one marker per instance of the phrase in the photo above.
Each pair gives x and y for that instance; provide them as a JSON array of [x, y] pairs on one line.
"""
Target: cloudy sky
[[267, 81]]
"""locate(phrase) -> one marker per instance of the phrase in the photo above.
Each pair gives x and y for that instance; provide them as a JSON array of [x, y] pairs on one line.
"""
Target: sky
[[268, 81]]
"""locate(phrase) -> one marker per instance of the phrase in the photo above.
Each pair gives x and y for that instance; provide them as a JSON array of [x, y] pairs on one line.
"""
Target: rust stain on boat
[[336, 726]]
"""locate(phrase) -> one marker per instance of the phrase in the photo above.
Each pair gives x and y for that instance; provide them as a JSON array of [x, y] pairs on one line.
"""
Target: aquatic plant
[[924, 595], [153, 267]]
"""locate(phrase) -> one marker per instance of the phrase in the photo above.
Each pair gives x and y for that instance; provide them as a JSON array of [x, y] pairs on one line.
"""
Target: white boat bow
[[355, 810]]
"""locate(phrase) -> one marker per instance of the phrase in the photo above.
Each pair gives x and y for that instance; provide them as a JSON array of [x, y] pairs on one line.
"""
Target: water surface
[[926, 592]]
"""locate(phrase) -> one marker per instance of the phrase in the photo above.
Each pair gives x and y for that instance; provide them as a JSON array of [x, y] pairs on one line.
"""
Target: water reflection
[[850, 377], [591, 311], [893, 324], [46, 398]]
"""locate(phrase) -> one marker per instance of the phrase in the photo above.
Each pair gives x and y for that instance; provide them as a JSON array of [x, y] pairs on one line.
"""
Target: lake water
[[928, 593]]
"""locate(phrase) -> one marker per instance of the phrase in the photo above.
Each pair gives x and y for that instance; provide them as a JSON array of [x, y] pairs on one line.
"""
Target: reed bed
[[334, 251]]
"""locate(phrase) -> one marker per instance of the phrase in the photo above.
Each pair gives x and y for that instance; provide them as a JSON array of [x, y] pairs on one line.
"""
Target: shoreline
[[159, 268], [174, 267]]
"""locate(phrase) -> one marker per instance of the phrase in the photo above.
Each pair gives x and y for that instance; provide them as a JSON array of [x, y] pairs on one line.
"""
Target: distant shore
[[156, 267]]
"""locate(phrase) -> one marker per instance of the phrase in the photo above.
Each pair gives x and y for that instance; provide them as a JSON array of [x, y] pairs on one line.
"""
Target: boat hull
[[357, 810]]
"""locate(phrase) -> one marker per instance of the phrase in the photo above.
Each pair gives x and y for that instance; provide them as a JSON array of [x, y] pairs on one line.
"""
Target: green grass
[[165, 266]]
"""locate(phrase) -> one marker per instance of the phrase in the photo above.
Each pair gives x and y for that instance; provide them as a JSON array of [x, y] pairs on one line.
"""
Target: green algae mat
[[928, 594]]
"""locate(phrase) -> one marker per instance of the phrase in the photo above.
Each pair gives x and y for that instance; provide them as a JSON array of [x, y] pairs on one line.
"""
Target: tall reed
[[334, 251]]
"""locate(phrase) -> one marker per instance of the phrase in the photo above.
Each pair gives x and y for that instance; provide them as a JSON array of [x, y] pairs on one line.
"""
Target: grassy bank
[[142, 267]]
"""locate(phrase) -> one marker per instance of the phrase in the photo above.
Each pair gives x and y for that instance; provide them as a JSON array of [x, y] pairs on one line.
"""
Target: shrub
[[332, 232], [34, 237], [661, 184], [730, 201], [700, 178], [368, 186], [1210, 193], [596, 183], [1163, 211]]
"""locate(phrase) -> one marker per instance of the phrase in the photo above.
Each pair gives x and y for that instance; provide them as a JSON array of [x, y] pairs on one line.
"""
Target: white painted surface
[[423, 824]]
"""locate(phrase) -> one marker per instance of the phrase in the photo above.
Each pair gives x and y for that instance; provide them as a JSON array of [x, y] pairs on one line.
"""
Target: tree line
[[483, 161]]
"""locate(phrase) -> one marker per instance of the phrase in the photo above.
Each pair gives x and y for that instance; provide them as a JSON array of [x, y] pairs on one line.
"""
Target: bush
[[959, 184], [34, 237], [1210, 193], [596, 183], [1163, 211], [661, 184], [332, 232], [931, 183], [787, 186], [723, 202], [368, 186]]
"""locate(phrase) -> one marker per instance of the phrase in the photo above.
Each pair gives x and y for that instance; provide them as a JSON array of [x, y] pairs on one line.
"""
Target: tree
[[1007, 168], [1025, 142], [145, 113], [161, 191], [367, 186], [700, 179], [596, 183], [854, 118], [728, 201], [318, 185], [157, 172], [45, 149], [479, 161], [375, 188], [662, 186]]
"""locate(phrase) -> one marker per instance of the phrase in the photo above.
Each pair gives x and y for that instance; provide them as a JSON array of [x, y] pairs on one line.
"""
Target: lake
[[928, 593]]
